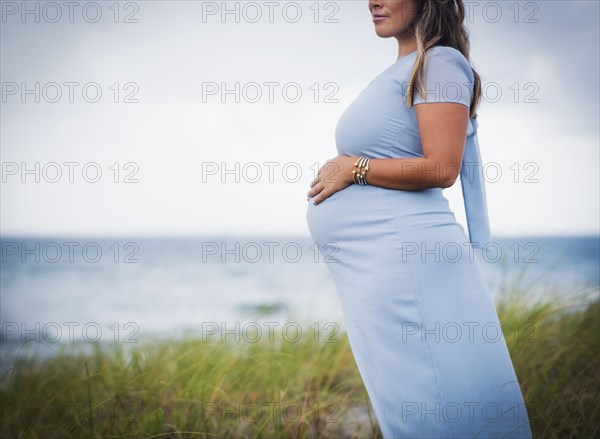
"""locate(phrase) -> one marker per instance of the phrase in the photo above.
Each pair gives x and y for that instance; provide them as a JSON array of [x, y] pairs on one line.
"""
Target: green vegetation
[[190, 388]]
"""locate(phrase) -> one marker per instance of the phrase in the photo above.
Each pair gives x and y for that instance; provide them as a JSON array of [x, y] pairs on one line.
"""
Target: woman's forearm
[[411, 173]]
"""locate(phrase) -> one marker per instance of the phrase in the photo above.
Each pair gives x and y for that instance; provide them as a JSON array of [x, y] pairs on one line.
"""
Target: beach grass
[[307, 388]]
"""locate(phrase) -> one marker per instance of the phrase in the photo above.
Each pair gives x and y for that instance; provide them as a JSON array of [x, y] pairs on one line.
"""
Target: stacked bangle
[[359, 175]]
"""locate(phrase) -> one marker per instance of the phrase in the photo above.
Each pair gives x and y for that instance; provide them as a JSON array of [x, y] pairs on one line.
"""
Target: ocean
[[67, 290]]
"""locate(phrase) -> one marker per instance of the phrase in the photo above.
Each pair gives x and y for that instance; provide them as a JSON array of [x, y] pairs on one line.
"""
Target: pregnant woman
[[420, 320]]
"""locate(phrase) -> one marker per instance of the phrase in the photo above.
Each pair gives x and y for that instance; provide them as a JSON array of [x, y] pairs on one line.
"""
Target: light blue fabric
[[451, 79], [421, 322], [473, 190]]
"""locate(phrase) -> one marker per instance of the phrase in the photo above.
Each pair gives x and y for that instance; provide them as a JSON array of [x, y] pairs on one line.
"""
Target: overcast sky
[[171, 130]]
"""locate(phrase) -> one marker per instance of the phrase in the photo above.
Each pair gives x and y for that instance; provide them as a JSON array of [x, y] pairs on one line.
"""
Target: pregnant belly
[[353, 211], [370, 213], [377, 241]]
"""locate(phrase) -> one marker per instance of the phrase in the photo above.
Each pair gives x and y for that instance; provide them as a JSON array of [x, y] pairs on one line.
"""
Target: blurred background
[[156, 156]]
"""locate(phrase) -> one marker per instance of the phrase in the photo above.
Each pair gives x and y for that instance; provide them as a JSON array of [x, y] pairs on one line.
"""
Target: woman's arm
[[443, 130]]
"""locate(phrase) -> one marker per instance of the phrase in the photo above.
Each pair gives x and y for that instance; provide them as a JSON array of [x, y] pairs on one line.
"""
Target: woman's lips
[[378, 19]]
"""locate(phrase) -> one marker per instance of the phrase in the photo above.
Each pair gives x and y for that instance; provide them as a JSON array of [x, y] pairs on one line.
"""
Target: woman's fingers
[[315, 189], [317, 178], [317, 186], [318, 193], [321, 196]]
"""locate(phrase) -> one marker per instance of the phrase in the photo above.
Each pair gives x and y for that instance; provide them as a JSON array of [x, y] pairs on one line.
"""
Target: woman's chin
[[382, 33]]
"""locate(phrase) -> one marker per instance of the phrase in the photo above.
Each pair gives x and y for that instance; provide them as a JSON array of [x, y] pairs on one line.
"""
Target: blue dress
[[421, 322]]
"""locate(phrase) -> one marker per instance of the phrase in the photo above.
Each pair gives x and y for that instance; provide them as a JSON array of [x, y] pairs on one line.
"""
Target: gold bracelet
[[356, 173], [359, 176]]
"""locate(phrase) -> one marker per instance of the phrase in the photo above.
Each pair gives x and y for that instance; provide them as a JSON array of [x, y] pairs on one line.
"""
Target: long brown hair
[[440, 23]]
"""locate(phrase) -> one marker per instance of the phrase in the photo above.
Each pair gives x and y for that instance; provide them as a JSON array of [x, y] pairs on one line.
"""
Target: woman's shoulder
[[446, 51], [448, 57]]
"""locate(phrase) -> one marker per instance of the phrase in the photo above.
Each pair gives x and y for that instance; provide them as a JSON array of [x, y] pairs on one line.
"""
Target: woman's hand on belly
[[334, 175]]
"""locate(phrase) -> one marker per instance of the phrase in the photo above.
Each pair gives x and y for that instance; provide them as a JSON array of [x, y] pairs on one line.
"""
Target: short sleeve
[[448, 77]]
